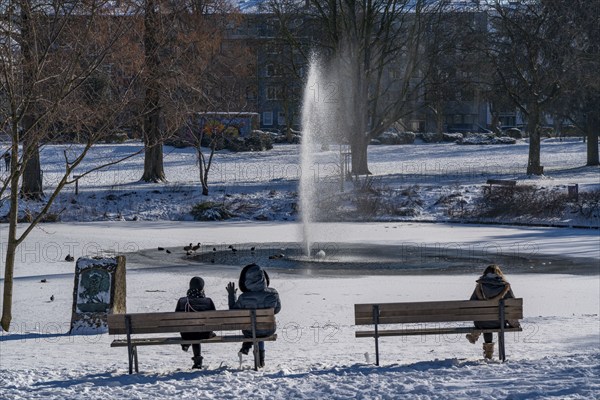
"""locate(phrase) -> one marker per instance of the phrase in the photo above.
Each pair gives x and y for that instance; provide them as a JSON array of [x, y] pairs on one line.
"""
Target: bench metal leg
[[376, 320], [135, 358], [130, 348], [130, 359], [254, 341], [501, 353], [255, 353]]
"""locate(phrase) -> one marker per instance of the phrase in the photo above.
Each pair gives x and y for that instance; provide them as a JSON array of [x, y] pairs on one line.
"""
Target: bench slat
[[166, 323], [430, 331], [436, 305], [208, 314], [157, 341], [141, 317], [118, 319], [501, 182], [226, 320], [479, 315], [469, 310], [193, 328], [200, 320], [491, 315], [456, 311]]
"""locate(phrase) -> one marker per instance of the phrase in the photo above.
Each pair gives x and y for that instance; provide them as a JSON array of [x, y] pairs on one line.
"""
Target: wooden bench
[[442, 313], [504, 183], [175, 322]]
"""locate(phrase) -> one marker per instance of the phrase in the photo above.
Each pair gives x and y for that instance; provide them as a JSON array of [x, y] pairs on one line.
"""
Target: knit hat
[[197, 283]]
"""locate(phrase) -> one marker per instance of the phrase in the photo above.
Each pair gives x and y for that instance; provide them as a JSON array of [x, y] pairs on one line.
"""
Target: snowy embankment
[[420, 182]]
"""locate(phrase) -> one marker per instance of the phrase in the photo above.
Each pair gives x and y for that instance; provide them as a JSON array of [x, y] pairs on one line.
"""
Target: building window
[[280, 118], [271, 49], [274, 93], [270, 70], [267, 118], [273, 70]]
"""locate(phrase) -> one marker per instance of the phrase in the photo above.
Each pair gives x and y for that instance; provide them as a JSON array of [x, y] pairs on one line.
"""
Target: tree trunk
[[534, 166], [203, 173], [439, 118], [153, 155], [153, 149], [593, 121], [153, 163], [359, 139], [358, 148], [32, 172], [9, 267], [32, 187]]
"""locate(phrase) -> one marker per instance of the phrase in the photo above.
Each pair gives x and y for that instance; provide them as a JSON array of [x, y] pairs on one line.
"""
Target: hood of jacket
[[253, 279], [491, 285]]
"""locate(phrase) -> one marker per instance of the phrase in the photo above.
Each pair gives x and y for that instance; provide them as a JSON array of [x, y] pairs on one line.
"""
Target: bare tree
[[153, 138], [525, 45], [451, 64], [53, 87], [377, 45], [182, 40], [580, 103], [286, 66]]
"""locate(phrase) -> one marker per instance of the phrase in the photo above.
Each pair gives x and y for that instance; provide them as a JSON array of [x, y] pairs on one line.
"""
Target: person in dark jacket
[[256, 294], [490, 286], [195, 301]]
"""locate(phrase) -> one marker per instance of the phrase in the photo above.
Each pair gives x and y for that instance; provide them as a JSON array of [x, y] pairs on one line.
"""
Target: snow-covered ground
[[316, 356]]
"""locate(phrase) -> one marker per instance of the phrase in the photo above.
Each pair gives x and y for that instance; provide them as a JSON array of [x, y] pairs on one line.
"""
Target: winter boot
[[185, 347], [261, 358], [488, 350], [472, 337], [245, 349], [197, 362]]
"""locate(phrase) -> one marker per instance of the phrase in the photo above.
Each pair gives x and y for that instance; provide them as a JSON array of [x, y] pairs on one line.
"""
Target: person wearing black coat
[[195, 301], [256, 294], [492, 285]]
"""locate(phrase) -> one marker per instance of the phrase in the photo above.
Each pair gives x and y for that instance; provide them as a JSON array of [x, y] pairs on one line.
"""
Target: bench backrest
[[501, 182], [438, 311], [204, 321]]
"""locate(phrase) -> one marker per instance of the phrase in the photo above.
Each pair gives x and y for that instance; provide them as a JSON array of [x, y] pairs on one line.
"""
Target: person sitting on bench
[[195, 301], [256, 294], [492, 285]]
